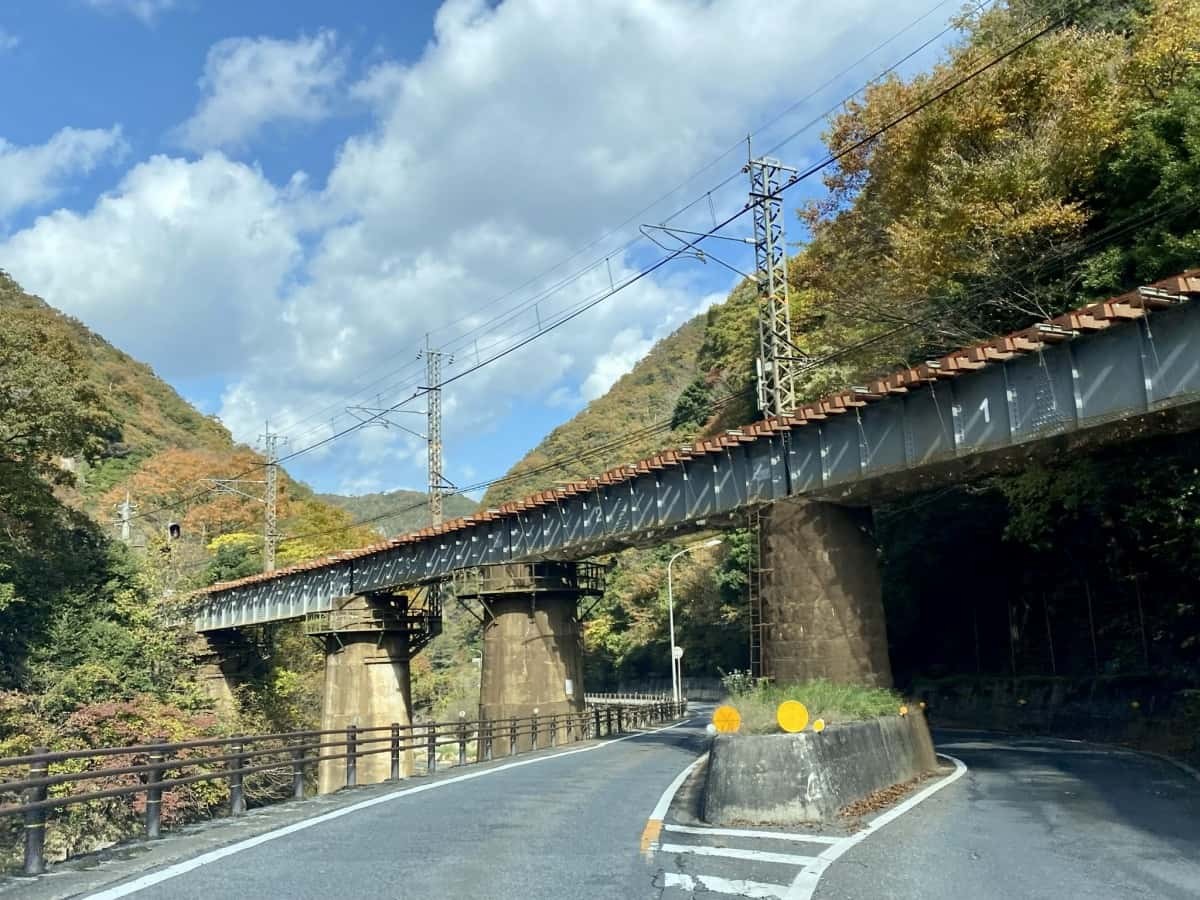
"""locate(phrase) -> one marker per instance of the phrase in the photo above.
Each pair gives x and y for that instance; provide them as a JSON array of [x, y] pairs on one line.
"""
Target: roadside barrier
[[152, 769]]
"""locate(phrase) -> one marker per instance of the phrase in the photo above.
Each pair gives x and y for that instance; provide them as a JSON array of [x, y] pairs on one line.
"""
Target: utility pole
[[270, 531], [269, 496], [125, 511], [433, 385], [778, 357], [437, 482]]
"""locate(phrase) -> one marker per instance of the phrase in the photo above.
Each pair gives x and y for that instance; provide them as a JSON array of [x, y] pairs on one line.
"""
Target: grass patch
[[824, 700]]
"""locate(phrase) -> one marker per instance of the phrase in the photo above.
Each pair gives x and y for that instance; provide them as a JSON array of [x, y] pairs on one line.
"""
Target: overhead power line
[[1035, 267], [461, 342], [685, 248]]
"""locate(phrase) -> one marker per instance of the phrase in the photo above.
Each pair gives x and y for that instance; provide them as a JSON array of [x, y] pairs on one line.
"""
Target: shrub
[[823, 699]]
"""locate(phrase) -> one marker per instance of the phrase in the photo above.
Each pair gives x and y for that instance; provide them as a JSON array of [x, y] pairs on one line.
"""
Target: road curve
[[1030, 818], [562, 825], [1035, 818]]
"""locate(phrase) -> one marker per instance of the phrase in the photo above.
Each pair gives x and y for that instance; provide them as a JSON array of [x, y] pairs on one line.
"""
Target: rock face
[[787, 779]]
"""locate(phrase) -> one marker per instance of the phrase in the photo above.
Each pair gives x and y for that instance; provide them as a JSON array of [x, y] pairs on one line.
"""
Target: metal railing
[[48, 778], [624, 697]]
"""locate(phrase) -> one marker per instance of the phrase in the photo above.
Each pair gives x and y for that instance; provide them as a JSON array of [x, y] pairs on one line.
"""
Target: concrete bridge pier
[[532, 644], [225, 660], [822, 603], [368, 644]]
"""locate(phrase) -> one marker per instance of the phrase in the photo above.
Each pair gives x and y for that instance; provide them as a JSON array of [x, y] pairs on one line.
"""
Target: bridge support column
[[225, 660], [822, 599], [366, 684], [532, 645]]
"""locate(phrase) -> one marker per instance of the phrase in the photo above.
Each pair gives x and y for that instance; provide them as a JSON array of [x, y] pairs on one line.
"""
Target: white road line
[[153, 878], [1055, 751], [749, 833], [787, 859], [754, 889], [664, 802], [654, 824], [805, 883]]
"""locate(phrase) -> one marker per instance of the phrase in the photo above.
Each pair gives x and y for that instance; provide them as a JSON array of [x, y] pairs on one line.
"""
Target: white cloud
[[249, 83], [524, 131], [8, 41], [180, 265], [145, 10], [33, 175]]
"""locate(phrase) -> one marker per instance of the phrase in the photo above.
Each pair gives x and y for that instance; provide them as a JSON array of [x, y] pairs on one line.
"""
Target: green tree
[[692, 409]]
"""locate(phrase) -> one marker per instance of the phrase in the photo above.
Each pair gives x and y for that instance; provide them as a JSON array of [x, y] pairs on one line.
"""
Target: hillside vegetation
[[632, 419], [84, 658], [1067, 173], [396, 512]]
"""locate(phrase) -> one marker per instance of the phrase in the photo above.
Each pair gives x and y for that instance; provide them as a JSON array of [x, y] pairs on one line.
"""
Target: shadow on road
[[1052, 781]]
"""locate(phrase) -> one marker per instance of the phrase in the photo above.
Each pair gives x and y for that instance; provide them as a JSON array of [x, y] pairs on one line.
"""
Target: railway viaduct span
[[1111, 371]]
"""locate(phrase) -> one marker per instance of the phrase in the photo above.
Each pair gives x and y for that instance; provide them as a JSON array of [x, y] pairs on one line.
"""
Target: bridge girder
[[997, 409]]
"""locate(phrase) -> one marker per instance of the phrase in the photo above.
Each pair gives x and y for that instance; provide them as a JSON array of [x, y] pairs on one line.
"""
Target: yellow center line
[[650, 833]]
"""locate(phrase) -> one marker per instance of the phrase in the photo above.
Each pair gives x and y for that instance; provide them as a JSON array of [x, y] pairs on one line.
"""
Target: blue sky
[[273, 202]]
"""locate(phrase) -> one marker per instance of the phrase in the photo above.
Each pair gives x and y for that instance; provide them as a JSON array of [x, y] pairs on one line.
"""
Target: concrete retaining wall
[[786, 779]]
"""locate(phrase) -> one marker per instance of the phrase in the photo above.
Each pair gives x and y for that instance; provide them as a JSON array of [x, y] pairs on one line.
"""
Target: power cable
[[1037, 266], [525, 305], [690, 245]]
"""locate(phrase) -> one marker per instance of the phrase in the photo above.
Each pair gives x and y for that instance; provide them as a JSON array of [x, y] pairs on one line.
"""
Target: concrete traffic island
[[787, 779]]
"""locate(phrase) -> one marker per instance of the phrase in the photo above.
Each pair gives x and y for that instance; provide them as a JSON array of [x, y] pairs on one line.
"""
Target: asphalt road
[[1029, 818], [1034, 818], [553, 826]]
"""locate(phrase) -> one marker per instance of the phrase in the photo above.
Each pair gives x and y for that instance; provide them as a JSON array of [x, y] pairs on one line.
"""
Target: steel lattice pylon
[[777, 357], [271, 526], [433, 378]]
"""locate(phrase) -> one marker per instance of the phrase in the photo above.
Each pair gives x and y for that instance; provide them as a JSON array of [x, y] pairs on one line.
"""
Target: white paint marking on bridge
[[805, 884], [751, 833], [756, 889], [787, 859], [182, 868]]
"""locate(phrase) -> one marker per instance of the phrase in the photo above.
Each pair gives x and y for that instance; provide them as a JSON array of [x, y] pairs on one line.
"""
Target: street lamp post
[[675, 695]]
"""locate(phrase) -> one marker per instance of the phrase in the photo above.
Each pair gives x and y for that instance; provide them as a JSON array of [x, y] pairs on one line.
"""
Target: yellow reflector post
[[819, 725], [792, 715], [904, 710], [726, 719]]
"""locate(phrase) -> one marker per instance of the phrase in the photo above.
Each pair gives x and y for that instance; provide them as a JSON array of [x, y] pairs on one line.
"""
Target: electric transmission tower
[[382, 416], [270, 529], [270, 486], [778, 357], [433, 378]]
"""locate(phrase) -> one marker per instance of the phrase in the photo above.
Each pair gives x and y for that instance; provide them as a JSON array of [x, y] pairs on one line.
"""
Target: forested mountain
[[84, 658], [1069, 172], [395, 512], [147, 414], [632, 419]]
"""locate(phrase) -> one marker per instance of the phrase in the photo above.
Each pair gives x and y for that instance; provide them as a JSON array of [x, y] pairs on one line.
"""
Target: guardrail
[[161, 766], [619, 697]]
